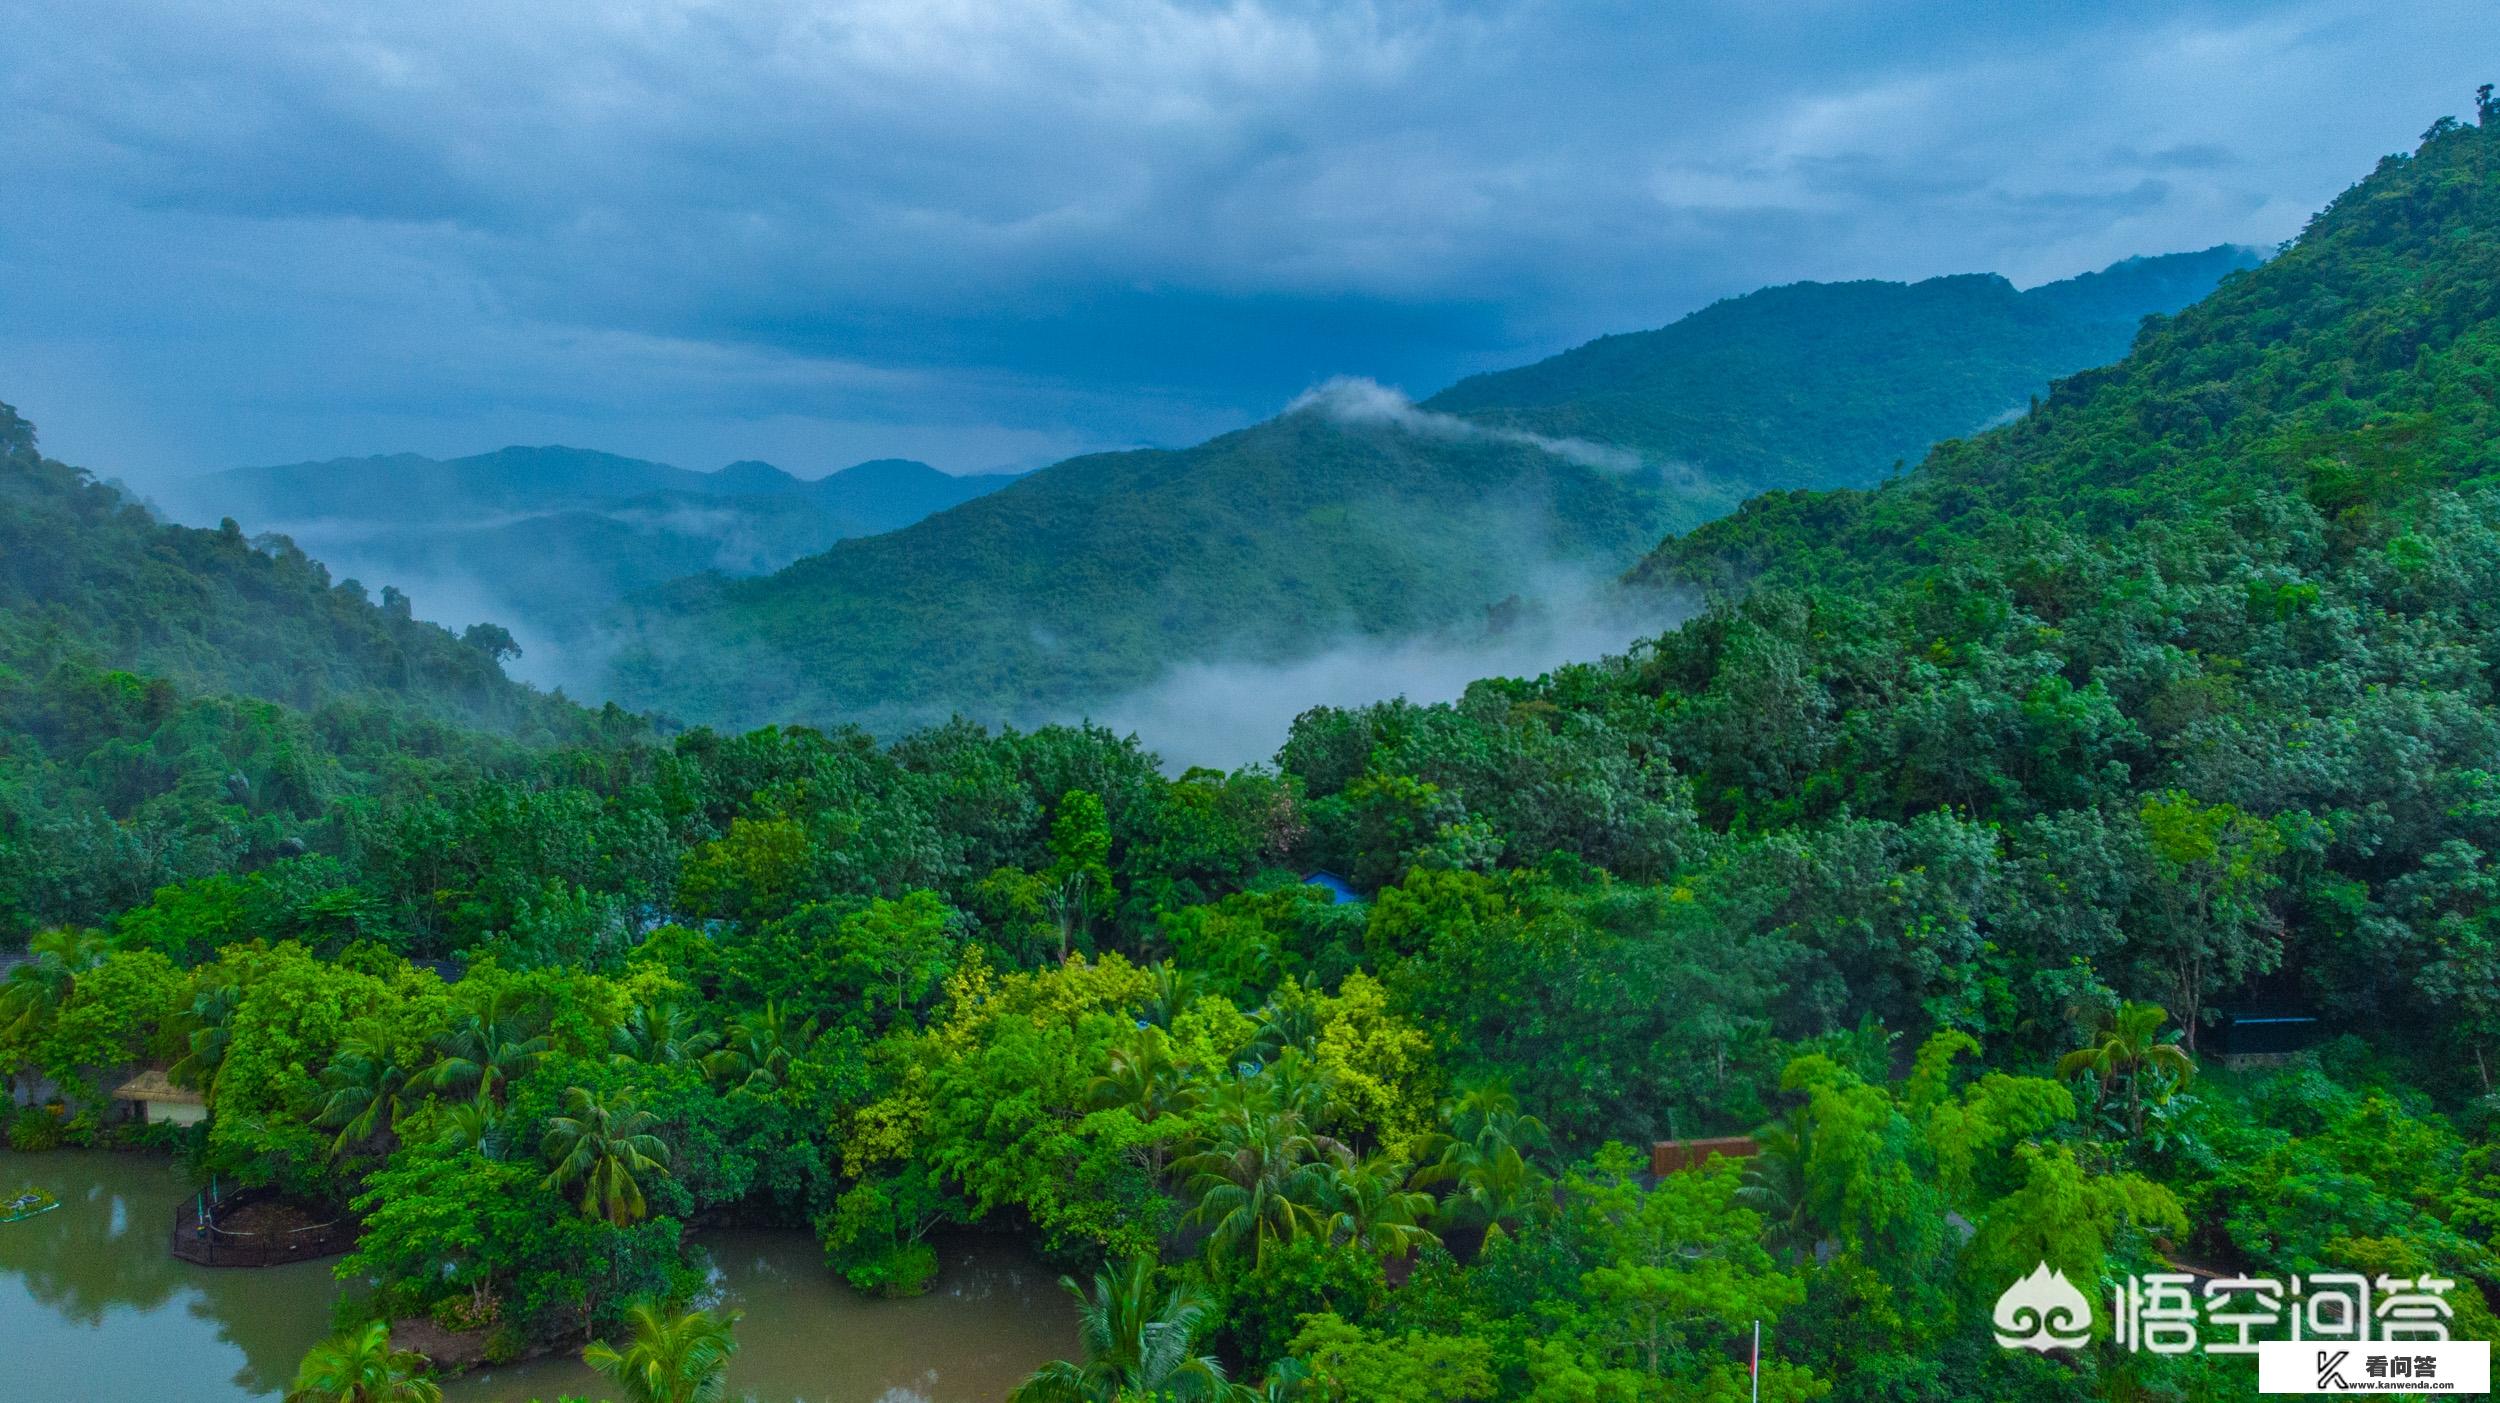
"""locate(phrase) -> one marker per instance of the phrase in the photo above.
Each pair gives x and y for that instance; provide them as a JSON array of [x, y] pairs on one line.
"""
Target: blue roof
[[1338, 888]]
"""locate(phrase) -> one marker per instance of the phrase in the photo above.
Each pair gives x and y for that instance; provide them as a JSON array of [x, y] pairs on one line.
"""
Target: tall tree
[[359, 1366], [1077, 883], [608, 1150], [2126, 1048], [668, 1358], [1136, 1338]]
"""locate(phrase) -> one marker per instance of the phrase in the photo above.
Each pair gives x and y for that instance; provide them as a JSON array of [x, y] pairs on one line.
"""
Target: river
[[94, 1310]]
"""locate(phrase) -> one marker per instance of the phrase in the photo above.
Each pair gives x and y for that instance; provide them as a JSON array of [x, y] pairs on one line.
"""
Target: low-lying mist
[[1226, 713], [1355, 399]]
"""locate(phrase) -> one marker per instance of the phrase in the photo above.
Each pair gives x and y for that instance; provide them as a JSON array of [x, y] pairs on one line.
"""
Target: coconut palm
[[1482, 1157], [2128, 1046], [206, 1028], [1288, 1381], [466, 1125], [659, 1032], [359, 1366], [1298, 1083], [1175, 989], [1136, 1340], [607, 1150], [668, 1358], [1290, 1018], [1775, 1182], [368, 1089], [37, 989], [1143, 1076], [1371, 1206], [1262, 1178], [761, 1046], [486, 1047]]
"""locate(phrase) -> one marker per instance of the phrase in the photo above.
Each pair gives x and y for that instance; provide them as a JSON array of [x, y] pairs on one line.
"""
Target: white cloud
[[1351, 399]]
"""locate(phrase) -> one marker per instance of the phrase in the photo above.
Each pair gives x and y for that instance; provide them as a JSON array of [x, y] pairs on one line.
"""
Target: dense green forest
[[1092, 577], [1931, 854], [176, 703]]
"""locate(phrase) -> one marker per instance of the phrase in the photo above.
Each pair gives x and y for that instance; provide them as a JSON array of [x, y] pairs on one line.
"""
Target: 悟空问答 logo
[[2043, 1311]]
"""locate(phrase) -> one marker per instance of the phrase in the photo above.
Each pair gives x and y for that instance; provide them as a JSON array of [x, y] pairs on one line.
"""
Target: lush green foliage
[[176, 703], [1934, 860]]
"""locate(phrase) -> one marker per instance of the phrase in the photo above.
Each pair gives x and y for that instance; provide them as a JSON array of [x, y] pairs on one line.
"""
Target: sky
[[992, 233]]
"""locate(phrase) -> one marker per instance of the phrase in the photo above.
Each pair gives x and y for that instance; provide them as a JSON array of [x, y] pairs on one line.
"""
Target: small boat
[[27, 1205]]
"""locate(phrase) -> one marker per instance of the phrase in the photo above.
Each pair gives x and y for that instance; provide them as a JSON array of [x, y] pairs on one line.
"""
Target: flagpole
[[1757, 1362]]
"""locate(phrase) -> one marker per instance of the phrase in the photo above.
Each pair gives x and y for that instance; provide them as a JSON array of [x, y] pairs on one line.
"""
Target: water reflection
[[92, 1307], [806, 1338]]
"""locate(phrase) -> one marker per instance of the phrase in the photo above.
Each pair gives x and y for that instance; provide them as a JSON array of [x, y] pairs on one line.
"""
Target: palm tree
[[1373, 1208], [207, 1027], [1775, 1183], [603, 1148], [762, 1044], [37, 989], [467, 1125], [1143, 1076], [1262, 1178], [1483, 1157], [368, 1089], [1136, 1340], [2128, 1045], [670, 1359], [1298, 1083], [1175, 990], [659, 1032], [359, 1366], [1288, 1381], [485, 1049], [1290, 1019]]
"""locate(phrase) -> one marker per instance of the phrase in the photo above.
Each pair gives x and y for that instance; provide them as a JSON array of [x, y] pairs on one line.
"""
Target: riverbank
[[92, 1306]]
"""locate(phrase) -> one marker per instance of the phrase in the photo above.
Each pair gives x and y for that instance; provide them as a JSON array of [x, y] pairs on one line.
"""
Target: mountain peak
[[751, 477]]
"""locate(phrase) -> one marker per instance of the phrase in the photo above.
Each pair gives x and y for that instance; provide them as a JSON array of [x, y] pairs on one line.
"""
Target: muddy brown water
[[93, 1310]]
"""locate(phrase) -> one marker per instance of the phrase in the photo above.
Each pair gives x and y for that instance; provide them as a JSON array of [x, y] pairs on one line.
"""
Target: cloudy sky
[[993, 232]]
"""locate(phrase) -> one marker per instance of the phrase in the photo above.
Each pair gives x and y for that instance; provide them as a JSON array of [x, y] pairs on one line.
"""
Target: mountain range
[[1356, 514], [545, 540]]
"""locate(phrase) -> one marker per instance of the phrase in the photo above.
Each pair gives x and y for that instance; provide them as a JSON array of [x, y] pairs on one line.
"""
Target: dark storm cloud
[[987, 232]]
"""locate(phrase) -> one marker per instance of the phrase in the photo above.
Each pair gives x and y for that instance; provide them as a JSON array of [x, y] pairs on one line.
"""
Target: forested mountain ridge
[[1829, 384], [1090, 576], [407, 489], [175, 701], [1355, 516], [2353, 375], [87, 573]]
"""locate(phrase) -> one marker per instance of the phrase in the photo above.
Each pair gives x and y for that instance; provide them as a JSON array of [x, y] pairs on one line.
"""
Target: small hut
[[159, 1102], [1675, 1156], [2262, 1035]]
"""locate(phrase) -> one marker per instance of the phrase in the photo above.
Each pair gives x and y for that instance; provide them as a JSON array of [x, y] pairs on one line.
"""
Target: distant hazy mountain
[[547, 539], [1356, 514]]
